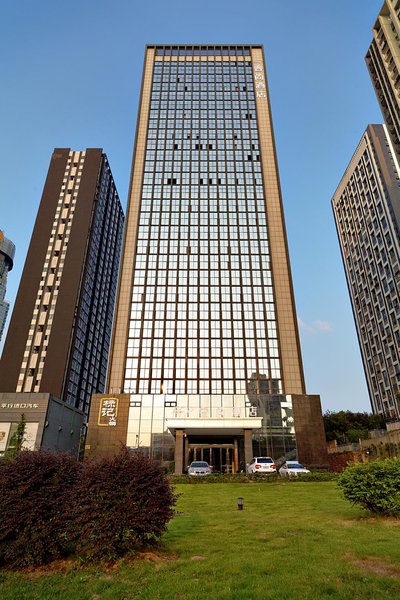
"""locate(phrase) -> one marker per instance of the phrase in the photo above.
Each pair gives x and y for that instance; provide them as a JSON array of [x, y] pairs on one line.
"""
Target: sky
[[70, 77]]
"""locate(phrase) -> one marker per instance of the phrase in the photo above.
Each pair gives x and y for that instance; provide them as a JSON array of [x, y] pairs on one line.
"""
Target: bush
[[375, 486], [119, 504], [51, 506], [316, 476], [250, 478], [223, 478], [33, 489]]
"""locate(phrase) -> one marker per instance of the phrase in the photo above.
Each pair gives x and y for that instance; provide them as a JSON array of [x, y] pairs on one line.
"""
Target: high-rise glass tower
[[7, 253], [205, 344], [366, 207]]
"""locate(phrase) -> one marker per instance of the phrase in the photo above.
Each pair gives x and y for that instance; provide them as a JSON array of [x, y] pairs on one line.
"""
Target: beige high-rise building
[[205, 360], [366, 208], [383, 62]]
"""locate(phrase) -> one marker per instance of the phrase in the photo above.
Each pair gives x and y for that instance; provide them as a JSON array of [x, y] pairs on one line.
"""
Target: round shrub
[[374, 486], [33, 489], [118, 504]]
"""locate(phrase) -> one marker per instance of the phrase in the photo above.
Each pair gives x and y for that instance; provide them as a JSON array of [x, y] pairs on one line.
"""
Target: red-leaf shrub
[[33, 488], [119, 504], [51, 505]]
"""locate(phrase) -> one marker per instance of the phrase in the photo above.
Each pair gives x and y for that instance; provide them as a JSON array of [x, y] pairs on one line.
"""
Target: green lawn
[[291, 541]]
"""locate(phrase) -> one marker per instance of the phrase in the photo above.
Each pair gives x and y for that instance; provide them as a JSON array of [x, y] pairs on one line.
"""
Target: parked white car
[[292, 468], [199, 468], [262, 464]]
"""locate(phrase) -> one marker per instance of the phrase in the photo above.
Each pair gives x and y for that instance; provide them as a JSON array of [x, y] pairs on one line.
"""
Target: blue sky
[[70, 77]]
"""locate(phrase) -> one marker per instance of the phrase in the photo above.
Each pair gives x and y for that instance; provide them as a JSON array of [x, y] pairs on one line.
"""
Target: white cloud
[[315, 327], [323, 326]]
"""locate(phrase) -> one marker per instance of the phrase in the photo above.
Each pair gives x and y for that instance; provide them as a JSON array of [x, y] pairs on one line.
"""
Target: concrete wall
[[59, 425], [384, 446]]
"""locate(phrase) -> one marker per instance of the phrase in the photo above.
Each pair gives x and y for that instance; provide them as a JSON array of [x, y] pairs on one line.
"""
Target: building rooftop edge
[[7, 247], [73, 150], [209, 44], [344, 177]]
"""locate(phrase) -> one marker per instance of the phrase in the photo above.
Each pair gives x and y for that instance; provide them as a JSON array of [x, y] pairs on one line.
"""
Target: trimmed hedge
[[52, 506], [221, 478], [375, 486], [250, 478], [122, 503], [316, 476], [33, 489]]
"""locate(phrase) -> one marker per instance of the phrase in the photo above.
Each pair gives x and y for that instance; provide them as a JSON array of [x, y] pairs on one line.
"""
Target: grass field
[[291, 541]]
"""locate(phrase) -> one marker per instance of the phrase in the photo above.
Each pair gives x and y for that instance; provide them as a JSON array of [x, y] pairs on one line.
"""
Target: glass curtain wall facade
[[90, 346], [203, 312], [205, 323]]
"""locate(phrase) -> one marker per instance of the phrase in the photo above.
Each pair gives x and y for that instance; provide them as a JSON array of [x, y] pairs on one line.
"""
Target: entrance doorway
[[222, 457]]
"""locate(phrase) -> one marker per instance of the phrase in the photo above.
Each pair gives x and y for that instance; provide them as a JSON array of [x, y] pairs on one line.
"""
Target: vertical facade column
[[187, 450], [292, 367], [236, 455], [117, 357], [179, 452], [228, 460], [248, 446]]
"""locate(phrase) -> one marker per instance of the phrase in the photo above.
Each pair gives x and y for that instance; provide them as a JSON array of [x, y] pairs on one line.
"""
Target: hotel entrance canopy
[[213, 426], [183, 429]]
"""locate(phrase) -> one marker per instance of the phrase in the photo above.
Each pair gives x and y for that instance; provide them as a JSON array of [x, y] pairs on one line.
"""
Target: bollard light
[[240, 503]]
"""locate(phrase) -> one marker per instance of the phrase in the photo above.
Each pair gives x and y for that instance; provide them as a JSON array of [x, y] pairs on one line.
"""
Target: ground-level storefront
[[224, 430], [49, 423]]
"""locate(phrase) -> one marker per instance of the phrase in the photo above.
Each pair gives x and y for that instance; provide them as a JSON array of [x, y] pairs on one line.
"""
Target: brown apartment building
[[56, 351]]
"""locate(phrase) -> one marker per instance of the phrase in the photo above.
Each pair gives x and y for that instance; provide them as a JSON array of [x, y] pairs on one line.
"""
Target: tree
[[17, 439], [347, 427]]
